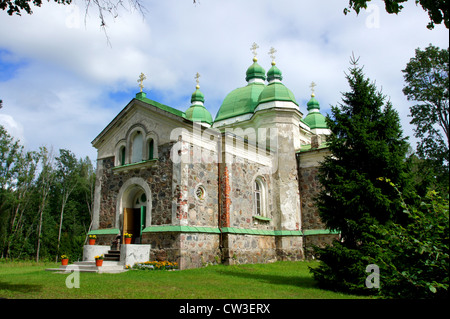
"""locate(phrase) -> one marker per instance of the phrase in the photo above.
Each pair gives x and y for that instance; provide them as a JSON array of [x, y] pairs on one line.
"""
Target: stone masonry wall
[[242, 206], [158, 177], [249, 249], [203, 212], [309, 188], [319, 241], [189, 250], [290, 248], [199, 250]]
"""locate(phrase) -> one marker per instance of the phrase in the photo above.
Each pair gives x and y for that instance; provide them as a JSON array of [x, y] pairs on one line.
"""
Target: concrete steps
[[112, 267], [112, 255]]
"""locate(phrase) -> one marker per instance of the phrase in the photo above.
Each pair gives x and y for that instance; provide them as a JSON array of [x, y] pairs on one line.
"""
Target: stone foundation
[[319, 240], [248, 249]]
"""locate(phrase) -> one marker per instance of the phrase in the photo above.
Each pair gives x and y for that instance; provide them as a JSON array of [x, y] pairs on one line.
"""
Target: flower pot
[[64, 262], [98, 262], [91, 241], [127, 240]]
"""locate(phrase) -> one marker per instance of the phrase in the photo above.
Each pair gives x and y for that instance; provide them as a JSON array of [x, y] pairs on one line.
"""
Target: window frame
[[259, 197]]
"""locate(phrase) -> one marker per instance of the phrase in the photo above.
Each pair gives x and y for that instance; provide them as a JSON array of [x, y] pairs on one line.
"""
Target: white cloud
[[13, 128], [62, 95]]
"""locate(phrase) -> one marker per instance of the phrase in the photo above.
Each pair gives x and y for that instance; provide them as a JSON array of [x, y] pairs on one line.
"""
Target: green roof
[[276, 91], [307, 147], [255, 71], [108, 231], [198, 113], [313, 104], [142, 97], [197, 96], [240, 101], [314, 119], [274, 73]]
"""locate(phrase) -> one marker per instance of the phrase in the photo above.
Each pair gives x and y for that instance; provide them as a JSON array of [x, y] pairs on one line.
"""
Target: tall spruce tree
[[366, 143]]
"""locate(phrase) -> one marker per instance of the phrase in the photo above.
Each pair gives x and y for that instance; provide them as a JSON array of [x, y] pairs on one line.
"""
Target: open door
[[143, 217], [128, 221], [134, 223], [134, 216]]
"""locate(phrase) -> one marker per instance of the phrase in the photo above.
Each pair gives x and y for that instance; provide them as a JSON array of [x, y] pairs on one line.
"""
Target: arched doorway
[[134, 205], [134, 217]]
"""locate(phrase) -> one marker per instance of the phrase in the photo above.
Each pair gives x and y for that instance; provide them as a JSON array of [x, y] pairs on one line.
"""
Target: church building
[[199, 190]]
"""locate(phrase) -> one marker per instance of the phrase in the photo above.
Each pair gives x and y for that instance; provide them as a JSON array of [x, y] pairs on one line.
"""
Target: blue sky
[[61, 82]]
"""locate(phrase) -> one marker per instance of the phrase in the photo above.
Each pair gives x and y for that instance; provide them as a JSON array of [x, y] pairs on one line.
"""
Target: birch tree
[[45, 181]]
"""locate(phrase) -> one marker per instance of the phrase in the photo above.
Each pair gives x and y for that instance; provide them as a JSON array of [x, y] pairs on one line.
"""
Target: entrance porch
[[114, 262]]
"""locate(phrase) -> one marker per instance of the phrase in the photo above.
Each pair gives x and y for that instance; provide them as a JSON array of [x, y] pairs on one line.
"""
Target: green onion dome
[[314, 119], [244, 100], [240, 101], [274, 73], [197, 112], [255, 71], [197, 96], [275, 90]]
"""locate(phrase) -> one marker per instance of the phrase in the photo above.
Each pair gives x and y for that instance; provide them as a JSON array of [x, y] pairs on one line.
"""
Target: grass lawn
[[280, 280]]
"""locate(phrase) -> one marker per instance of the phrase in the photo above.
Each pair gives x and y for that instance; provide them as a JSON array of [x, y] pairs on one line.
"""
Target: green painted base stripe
[[320, 232], [216, 230], [109, 231], [183, 229]]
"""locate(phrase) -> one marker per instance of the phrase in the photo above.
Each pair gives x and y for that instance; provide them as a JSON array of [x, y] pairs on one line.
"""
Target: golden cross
[[141, 79], [312, 86], [197, 76], [253, 49], [272, 53]]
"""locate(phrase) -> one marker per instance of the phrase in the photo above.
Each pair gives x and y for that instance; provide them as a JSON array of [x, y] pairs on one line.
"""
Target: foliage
[[154, 265], [31, 195], [414, 258], [365, 142], [427, 83], [104, 7], [16, 6], [64, 257], [437, 9], [100, 257], [127, 235]]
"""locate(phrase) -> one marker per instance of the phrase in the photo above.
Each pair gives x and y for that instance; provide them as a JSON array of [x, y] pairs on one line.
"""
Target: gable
[[148, 114]]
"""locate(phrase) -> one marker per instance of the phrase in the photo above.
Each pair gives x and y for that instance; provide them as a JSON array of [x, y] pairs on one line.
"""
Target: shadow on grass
[[297, 281], [20, 288]]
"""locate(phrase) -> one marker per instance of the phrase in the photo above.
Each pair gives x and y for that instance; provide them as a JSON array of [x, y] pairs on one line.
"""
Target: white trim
[[256, 80], [233, 120], [261, 181], [151, 135], [125, 192], [276, 104]]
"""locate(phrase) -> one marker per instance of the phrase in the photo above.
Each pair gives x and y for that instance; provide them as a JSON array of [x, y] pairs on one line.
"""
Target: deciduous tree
[[437, 9], [427, 83]]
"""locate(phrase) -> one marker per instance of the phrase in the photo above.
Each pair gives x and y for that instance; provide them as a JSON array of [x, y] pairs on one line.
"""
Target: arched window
[[122, 154], [259, 194], [151, 146], [257, 198], [136, 148]]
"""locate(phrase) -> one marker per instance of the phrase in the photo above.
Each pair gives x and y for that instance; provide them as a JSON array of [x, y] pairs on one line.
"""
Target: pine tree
[[366, 143]]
